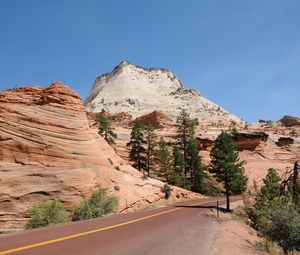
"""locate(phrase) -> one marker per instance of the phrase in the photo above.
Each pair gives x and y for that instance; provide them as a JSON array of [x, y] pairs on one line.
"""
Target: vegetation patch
[[47, 213], [98, 205]]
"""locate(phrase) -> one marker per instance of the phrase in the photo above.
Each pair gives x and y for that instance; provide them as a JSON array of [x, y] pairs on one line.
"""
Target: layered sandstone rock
[[139, 91], [48, 150]]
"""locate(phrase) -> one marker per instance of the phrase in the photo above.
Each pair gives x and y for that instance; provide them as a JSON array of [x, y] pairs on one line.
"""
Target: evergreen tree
[[137, 142], [296, 184], [185, 131], [164, 160], [270, 190], [177, 176], [150, 149], [226, 166], [105, 129], [195, 166]]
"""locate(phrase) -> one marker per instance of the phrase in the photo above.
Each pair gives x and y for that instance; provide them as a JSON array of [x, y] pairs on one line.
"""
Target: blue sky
[[243, 54]]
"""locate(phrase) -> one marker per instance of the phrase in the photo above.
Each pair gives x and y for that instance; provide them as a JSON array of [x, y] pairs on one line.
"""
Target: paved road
[[175, 229]]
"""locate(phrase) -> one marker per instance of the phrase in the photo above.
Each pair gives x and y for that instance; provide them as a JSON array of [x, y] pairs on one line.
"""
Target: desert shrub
[[45, 214], [167, 190], [98, 205]]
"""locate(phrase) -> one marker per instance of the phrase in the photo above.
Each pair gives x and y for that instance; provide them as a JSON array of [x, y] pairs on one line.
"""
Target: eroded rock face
[[249, 141], [140, 91], [48, 150]]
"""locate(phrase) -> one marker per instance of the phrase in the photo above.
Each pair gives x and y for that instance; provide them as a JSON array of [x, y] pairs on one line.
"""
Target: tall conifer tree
[[164, 160], [137, 154], [150, 147], [226, 166], [195, 167], [185, 131]]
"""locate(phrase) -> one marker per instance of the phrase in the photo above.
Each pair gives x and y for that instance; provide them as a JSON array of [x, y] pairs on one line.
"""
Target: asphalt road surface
[[174, 229]]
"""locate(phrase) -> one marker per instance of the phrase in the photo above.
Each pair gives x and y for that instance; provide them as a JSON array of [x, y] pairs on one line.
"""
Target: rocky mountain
[[48, 150], [139, 91]]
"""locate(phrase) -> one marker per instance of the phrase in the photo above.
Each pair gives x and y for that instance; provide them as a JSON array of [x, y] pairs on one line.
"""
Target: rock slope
[[139, 91], [48, 150]]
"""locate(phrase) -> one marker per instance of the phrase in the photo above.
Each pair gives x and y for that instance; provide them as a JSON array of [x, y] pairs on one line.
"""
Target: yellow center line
[[22, 248]]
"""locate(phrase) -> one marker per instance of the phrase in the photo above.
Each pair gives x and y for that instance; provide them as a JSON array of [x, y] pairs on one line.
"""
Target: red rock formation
[[249, 141], [47, 150], [122, 117], [157, 119]]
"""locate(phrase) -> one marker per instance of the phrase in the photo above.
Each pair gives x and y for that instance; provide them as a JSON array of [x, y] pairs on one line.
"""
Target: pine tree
[[226, 166], [105, 129], [195, 167], [137, 142], [296, 184], [177, 176], [270, 190], [150, 147], [185, 131], [164, 160]]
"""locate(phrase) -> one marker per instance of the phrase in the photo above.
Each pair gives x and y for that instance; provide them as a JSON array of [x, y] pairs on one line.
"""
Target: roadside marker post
[[218, 209]]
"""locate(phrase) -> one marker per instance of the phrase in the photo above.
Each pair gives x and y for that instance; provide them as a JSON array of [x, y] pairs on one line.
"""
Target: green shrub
[[284, 227], [98, 205], [167, 190], [48, 213], [275, 215]]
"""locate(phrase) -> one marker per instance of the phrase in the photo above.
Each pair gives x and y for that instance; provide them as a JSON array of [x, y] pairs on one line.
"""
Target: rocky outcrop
[[243, 141], [249, 141], [121, 117], [284, 141], [140, 91], [290, 121], [48, 150], [156, 119]]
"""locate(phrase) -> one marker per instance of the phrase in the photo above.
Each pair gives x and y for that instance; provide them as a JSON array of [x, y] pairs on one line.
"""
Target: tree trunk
[[227, 202]]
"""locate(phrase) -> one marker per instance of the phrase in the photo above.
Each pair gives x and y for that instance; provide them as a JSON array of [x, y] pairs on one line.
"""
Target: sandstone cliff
[[48, 150], [139, 91]]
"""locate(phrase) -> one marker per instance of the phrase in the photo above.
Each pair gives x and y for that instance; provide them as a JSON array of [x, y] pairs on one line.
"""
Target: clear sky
[[241, 54]]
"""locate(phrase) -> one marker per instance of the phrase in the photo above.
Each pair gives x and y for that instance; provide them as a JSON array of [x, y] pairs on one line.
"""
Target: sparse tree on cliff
[[137, 142], [226, 166], [105, 129]]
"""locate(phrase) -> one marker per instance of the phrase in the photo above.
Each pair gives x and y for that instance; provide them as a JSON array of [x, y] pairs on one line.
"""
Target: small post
[[126, 204], [218, 209]]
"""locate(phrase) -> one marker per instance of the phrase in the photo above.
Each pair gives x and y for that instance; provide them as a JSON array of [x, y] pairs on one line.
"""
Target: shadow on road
[[221, 209]]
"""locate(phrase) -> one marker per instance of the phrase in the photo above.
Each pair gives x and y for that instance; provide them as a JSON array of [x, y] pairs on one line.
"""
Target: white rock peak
[[138, 91]]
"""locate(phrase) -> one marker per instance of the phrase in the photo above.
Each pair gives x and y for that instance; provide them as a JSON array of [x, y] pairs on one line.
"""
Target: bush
[[275, 215], [98, 205], [284, 227], [47, 213], [167, 190]]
